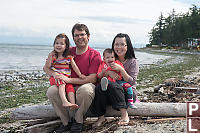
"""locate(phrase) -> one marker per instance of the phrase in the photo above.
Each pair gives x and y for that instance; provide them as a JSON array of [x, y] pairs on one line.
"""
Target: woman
[[114, 95]]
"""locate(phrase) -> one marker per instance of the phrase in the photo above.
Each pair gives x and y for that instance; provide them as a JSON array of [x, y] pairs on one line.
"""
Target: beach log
[[143, 109], [46, 127]]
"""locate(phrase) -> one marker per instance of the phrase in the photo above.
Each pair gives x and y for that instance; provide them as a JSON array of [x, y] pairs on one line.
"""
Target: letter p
[[193, 107]]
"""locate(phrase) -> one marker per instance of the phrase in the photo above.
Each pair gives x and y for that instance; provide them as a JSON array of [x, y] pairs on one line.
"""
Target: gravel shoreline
[[35, 79]]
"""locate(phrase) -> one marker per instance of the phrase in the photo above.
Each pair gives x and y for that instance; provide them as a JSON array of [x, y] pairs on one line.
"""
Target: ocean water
[[32, 57]]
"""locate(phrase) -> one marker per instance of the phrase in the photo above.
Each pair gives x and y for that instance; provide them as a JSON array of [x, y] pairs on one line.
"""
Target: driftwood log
[[143, 109]]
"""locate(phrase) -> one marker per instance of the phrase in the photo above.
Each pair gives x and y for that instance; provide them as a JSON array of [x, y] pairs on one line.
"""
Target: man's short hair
[[80, 27]]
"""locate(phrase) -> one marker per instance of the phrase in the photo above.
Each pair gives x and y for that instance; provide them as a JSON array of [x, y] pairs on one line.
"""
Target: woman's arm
[[132, 70], [123, 72], [129, 75]]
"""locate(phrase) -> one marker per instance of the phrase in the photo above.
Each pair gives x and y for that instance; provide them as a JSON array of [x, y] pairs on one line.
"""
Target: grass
[[18, 97]]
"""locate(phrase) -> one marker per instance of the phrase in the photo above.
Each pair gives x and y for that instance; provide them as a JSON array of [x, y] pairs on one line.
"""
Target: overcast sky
[[39, 21]]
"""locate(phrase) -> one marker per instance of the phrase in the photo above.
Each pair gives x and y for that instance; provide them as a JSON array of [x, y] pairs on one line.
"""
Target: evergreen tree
[[176, 28]]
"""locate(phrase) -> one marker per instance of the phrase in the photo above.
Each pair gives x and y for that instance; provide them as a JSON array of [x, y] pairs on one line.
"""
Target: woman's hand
[[112, 74], [116, 66]]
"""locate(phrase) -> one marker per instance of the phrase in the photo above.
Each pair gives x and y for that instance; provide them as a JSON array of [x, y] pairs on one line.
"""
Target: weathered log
[[143, 109], [186, 89]]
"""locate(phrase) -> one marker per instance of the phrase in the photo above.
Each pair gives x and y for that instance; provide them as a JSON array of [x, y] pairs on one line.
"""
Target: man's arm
[[47, 67], [89, 79]]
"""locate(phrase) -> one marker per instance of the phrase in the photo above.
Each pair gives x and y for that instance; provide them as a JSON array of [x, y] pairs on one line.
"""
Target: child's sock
[[104, 84], [130, 101], [130, 97]]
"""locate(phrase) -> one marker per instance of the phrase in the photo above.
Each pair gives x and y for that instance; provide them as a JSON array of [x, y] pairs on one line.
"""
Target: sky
[[39, 21]]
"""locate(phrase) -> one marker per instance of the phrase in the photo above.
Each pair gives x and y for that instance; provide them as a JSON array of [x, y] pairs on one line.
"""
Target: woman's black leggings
[[114, 96]]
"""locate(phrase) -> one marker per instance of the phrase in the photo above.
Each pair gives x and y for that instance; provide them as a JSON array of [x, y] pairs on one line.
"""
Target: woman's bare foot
[[101, 120], [123, 121], [124, 117]]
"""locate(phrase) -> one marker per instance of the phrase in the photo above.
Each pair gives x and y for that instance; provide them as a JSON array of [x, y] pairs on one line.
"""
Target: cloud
[[105, 18], [117, 19], [96, 1], [190, 2]]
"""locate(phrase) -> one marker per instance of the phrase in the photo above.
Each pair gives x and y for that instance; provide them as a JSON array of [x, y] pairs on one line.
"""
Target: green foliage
[[5, 118], [176, 28], [149, 45]]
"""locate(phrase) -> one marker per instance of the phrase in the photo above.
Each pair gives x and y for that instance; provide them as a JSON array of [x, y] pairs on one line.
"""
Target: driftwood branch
[[143, 109], [164, 119], [186, 89], [42, 127]]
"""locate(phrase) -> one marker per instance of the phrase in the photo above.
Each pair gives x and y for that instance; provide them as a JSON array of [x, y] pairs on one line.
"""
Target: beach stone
[[29, 91], [168, 95]]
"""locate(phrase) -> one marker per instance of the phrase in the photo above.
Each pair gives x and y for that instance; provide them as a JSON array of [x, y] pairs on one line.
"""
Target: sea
[[29, 57]]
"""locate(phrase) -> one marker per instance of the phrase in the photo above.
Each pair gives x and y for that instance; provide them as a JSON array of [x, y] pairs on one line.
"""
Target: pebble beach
[[14, 83]]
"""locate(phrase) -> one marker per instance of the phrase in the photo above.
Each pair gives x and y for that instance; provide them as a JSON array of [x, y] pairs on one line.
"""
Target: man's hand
[[52, 53], [63, 77], [82, 76], [56, 77]]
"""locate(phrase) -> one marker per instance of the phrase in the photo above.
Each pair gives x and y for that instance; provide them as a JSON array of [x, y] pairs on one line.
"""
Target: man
[[87, 60]]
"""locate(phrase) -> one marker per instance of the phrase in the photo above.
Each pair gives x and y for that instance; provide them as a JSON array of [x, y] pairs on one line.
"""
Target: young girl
[[59, 61]]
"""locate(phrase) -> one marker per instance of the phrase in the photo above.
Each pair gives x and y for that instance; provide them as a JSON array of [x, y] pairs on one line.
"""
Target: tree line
[[176, 28]]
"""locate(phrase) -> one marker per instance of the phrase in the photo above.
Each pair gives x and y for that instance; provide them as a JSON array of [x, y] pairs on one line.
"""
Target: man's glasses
[[81, 35]]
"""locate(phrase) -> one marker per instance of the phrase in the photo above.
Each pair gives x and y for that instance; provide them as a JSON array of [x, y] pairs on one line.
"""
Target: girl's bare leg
[[71, 98], [65, 102]]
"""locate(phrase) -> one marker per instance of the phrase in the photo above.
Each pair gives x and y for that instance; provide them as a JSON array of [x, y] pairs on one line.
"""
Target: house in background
[[193, 42]]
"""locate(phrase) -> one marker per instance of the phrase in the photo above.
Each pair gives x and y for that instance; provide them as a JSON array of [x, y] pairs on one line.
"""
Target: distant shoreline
[[167, 51]]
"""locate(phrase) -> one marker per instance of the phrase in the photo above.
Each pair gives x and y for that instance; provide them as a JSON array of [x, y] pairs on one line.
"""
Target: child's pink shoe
[[137, 101]]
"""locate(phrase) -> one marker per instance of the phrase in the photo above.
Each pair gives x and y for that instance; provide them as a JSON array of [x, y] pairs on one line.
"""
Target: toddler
[[108, 58]]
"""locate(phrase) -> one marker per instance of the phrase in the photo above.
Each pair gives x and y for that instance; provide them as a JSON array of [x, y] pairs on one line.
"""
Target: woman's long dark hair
[[130, 51], [66, 52]]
